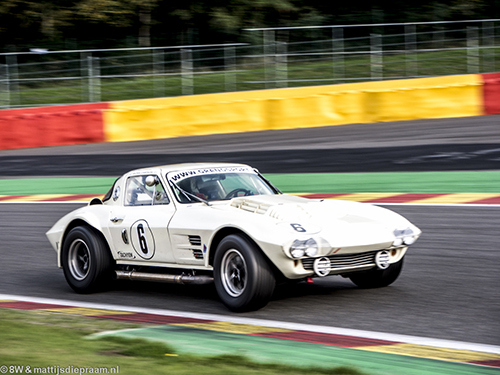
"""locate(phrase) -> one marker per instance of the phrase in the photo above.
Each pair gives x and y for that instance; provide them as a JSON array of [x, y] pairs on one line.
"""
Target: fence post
[[488, 54], [472, 50], [269, 55], [158, 73], [187, 71], [281, 65], [230, 68], [14, 98], [94, 79], [338, 63], [4, 86], [410, 53], [376, 56]]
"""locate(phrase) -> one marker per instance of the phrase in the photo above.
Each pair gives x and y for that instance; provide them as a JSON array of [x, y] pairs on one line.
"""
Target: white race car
[[227, 224]]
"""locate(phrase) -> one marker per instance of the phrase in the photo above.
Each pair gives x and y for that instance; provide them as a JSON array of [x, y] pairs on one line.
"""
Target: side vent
[[195, 240], [197, 253]]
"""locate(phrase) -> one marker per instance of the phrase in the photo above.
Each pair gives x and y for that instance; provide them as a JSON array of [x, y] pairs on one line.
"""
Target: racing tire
[[243, 278], [86, 260], [377, 278]]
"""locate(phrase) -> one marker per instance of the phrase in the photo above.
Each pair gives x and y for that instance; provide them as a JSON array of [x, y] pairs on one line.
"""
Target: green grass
[[44, 339], [305, 71]]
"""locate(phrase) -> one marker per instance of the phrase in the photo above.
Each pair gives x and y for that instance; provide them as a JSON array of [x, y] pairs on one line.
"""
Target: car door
[[139, 226]]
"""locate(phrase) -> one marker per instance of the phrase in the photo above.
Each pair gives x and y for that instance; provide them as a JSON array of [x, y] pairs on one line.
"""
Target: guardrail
[[333, 54]]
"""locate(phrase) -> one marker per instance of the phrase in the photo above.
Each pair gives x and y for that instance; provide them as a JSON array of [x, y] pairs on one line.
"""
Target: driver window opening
[[138, 193]]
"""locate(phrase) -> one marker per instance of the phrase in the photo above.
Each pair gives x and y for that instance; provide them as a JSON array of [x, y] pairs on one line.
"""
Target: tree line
[[80, 24]]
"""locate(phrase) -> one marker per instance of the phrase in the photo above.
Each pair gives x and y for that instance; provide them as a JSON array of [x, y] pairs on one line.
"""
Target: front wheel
[[377, 278], [86, 260], [243, 277]]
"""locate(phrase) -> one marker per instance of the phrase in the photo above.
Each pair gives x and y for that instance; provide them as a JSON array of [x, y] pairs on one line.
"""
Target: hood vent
[[245, 205], [289, 211]]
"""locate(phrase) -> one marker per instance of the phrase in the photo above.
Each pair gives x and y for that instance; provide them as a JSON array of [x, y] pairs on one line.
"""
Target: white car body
[[298, 237]]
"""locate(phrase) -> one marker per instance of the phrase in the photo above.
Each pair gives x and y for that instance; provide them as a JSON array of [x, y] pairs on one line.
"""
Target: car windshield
[[218, 184]]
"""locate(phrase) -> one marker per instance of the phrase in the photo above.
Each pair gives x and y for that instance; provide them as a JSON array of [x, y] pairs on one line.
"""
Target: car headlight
[[403, 236], [307, 247]]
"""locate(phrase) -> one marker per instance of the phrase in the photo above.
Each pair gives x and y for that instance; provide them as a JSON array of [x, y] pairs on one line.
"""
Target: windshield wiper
[[187, 194]]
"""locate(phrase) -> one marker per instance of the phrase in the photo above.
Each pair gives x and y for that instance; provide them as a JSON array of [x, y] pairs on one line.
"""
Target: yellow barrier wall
[[450, 96]]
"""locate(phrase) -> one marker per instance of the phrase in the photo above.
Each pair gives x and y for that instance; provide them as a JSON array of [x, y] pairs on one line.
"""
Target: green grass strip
[[48, 342], [296, 353], [390, 182]]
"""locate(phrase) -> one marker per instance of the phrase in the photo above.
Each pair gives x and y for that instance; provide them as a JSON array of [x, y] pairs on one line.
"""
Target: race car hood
[[343, 224]]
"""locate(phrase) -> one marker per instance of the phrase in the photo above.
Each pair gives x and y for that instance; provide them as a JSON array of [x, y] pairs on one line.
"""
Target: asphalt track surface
[[450, 283], [459, 144]]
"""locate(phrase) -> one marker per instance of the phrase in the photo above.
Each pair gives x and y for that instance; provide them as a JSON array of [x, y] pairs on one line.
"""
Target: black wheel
[[377, 278], [233, 193], [243, 278], [86, 260]]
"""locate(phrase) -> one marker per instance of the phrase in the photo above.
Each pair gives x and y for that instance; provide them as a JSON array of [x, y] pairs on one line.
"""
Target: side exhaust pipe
[[165, 278]]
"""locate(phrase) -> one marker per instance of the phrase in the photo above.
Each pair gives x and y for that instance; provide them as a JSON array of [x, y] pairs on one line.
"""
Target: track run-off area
[[443, 175]]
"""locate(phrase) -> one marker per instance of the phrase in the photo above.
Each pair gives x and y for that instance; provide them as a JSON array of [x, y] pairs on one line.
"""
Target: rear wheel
[[377, 278], [86, 260], [243, 277]]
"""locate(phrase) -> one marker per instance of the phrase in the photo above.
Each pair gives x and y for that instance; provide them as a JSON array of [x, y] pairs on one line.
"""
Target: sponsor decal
[[126, 255], [204, 171]]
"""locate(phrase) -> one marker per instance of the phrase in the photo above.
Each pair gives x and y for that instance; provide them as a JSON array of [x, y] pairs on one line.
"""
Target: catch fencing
[[287, 57]]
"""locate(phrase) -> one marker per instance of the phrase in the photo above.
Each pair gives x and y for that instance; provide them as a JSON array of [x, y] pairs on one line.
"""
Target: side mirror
[[151, 181]]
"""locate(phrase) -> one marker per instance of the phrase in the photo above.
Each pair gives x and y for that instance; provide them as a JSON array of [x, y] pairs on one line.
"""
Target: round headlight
[[311, 247], [409, 240], [297, 253], [300, 248], [397, 242]]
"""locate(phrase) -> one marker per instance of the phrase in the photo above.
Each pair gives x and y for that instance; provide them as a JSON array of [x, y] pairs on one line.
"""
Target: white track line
[[440, 343]]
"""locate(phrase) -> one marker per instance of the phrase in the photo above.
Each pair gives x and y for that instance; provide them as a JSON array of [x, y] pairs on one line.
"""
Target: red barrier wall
[[491, 93], [51, 126]]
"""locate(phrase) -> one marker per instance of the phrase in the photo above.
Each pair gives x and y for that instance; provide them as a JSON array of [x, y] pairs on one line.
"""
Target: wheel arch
[[226, 231], [79, 223]]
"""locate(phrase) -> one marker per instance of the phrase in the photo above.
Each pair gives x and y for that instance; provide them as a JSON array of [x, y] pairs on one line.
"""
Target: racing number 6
[[142, 239], [298, 228]]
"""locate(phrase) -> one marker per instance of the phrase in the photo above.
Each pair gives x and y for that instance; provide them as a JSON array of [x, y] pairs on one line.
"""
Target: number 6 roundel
[[143, 241]]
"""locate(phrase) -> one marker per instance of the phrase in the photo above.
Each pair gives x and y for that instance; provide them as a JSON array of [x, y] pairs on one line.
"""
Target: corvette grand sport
[[226, 224]]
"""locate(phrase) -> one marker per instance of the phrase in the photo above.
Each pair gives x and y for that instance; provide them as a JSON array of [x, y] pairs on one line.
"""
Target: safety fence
[[421, 98], [323, 55]]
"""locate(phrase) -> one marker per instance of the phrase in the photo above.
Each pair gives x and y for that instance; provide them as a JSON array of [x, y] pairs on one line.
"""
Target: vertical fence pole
[[269, 57], [90, 74], [159, 73], [410, 53], [4, 86], [281, 65], [83, 73], [338, 53], [97, 79], [94, 79], [472, 50], [14, 98], [488, 54], [230, 68], [187, 71], [376, 56]]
